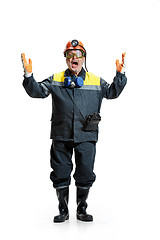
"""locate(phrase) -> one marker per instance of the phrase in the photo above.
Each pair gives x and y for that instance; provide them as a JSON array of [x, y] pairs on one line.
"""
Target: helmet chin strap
[[85, 65]]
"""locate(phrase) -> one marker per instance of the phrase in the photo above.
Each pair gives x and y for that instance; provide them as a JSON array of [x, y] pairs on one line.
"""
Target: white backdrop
[[125, 197]]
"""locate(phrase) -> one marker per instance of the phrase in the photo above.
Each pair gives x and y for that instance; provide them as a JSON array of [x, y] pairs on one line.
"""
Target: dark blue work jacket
[[70, 106]]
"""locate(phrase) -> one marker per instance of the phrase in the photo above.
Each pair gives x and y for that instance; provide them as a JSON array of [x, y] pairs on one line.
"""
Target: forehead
[[73, 50]]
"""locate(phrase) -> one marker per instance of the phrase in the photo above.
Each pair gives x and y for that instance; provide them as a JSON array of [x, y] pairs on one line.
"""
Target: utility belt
[[92, 121]]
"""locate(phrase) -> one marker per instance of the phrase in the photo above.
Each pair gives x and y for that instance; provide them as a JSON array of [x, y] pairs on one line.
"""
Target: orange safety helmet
[[75, 44]]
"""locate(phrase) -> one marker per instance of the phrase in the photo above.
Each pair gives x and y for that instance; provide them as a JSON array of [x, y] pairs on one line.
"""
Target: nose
[[74, 56]]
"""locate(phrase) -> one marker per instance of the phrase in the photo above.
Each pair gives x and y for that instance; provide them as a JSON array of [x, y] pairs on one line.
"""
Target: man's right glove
[[27, 66]]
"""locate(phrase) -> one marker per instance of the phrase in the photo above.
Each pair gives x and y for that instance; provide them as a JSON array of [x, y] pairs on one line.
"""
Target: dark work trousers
[[61, 163]]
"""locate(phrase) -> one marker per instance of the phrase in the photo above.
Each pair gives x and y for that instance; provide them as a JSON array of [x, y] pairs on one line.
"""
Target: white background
[[126, 195]]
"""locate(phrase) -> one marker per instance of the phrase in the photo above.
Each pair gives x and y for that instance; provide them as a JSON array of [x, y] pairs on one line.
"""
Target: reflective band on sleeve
[[45, 89], [60, 84]]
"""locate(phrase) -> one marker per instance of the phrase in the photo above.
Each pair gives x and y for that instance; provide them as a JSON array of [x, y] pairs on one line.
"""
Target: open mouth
[[74, 63]]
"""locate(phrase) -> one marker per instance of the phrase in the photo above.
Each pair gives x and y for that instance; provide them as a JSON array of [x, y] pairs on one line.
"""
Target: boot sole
[[85, 218], [60, 220]]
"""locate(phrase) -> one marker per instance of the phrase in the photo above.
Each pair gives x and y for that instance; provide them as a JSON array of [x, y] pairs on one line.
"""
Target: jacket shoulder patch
[[59, 77], [91, 79]]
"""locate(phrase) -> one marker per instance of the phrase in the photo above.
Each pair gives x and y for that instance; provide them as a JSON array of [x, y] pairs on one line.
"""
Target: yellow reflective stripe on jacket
[[90, 80], [59, 77]]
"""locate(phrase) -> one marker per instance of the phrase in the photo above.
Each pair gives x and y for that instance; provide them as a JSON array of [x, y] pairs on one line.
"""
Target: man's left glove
[[121, 66], [27, 66]]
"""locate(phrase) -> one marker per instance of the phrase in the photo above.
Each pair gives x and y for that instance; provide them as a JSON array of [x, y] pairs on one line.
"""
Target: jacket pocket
[[58, 126]]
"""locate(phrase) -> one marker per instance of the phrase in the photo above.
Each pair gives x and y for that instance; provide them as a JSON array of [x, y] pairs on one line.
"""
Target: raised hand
[[27, 66], [121, 66]]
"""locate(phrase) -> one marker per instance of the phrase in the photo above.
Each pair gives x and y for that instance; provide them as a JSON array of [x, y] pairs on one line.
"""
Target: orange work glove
[[27, 66], [121, 66]]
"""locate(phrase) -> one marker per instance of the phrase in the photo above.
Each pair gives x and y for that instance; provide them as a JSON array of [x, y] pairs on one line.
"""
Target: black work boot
[[63, 195], [82, 195]]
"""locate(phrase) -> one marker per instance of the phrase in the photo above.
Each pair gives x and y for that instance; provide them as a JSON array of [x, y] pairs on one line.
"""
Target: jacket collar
[[82, 73]]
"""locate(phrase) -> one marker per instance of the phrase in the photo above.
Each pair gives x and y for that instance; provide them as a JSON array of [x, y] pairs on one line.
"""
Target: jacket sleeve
[[37, 89], [113, 90]]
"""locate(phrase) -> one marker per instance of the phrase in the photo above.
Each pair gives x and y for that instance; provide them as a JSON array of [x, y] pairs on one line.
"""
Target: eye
[[69, 55]]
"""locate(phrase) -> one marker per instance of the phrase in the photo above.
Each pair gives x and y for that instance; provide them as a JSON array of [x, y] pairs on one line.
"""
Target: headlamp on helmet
[[74, 43]]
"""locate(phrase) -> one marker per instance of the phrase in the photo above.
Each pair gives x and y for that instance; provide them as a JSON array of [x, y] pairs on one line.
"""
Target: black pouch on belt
[[92, 122]]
